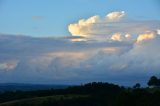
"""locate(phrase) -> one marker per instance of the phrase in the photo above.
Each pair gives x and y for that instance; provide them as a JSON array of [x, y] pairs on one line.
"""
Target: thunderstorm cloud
[[111, 48]]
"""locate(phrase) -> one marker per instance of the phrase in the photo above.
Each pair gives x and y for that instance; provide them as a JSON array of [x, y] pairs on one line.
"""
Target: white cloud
[[128, 36], [158, 31], [117, 37], [115, 16], [8, 65], [83, 27], [98, 28], [146, 36], [120, 37], [86, 27], [78, 40]]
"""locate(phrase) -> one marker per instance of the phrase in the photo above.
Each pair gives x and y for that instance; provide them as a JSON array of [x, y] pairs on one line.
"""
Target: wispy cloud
[[38, 17]]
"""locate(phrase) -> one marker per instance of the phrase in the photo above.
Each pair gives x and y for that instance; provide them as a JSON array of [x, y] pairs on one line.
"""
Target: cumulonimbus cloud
[[85, 27], [38, 59], [109, 48], [98, 28]]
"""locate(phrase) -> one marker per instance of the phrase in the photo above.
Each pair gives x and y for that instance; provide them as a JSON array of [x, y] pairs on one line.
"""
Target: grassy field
[[44, 101], [91, 94]]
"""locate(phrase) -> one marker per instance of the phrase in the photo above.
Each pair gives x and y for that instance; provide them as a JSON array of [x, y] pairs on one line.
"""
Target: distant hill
[[28, 87]]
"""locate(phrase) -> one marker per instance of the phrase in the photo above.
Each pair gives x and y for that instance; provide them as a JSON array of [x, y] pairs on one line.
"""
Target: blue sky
[[52, 17]]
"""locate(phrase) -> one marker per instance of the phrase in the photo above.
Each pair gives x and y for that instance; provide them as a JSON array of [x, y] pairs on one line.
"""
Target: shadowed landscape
[[90, 94]]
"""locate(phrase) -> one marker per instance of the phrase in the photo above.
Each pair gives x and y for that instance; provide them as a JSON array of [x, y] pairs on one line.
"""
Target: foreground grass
[[44, 101]]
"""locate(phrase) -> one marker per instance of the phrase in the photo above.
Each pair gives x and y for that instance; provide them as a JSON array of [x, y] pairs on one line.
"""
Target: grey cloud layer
[[51, 60]]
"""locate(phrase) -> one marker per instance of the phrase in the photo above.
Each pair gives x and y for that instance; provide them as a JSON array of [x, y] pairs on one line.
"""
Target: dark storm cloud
[[60, 60]]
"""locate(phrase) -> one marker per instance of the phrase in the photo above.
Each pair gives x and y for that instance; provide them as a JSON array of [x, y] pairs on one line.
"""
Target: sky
[[51, 17], [79, 41]]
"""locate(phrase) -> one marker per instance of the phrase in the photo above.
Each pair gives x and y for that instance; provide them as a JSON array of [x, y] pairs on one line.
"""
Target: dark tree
[[137, 85], [154, 81]]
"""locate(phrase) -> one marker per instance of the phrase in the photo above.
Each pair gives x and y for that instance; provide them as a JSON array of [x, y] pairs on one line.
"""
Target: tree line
[[90, 94]]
